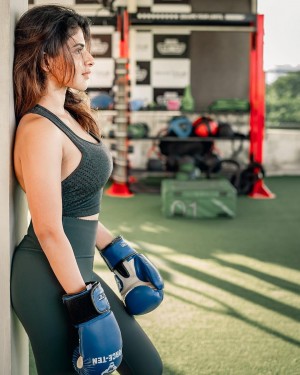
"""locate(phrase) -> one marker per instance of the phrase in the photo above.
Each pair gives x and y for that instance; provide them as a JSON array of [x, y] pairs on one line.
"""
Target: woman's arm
[[39, 150], [104, 237]]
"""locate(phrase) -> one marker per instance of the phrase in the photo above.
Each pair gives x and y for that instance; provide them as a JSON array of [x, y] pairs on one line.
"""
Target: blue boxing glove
[[100, 341], [139, 282]]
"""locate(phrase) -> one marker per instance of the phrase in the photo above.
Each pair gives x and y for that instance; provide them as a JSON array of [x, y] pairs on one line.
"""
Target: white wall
[[13, 218], [282, 152]]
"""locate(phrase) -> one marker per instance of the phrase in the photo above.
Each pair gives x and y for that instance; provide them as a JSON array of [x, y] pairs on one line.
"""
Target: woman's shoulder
[[32, 124], [36, 142]]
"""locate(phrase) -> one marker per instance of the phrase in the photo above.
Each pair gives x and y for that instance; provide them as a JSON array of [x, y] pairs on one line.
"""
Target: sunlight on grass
[[126, 228], [217, 297], [267, 267], [153, 228], [226, 306], [153, 248]]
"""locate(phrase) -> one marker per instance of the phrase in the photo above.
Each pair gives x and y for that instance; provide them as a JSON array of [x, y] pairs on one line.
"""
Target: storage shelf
[[143, 173], [190, 139], [179, 112]]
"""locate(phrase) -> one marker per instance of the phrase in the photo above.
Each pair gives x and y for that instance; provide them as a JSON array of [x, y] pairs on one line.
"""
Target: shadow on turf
[[277, 281], [228, 311], [254, 297], [251, 296], [170, 371]]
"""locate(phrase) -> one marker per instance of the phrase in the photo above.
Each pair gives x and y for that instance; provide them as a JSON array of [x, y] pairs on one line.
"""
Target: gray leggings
[[36, 299]]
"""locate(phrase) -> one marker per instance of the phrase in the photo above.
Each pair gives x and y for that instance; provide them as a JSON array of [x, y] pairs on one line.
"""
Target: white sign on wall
[[144, 46], [170, 73], [143, 93], [103, 73]]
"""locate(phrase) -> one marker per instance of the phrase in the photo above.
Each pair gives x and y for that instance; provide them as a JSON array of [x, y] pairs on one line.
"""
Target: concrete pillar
[[13, 211]]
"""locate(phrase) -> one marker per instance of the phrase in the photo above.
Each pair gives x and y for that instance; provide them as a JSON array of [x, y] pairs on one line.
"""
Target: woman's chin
[[79, 87]]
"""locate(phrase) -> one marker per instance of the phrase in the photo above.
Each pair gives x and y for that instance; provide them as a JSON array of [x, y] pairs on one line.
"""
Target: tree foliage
[[283, 99]]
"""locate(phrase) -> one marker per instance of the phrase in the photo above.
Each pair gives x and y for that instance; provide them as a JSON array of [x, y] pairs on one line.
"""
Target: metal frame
[[252, 23], [120, 186], [257, 106]]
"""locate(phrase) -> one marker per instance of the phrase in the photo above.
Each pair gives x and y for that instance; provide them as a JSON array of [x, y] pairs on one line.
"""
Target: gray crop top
[[82, 189]]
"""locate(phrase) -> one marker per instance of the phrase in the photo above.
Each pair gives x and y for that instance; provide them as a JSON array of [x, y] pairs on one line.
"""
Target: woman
[[62, 165]]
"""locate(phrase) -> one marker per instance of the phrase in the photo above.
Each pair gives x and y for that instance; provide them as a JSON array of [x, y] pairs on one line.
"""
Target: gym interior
[[205, 180]]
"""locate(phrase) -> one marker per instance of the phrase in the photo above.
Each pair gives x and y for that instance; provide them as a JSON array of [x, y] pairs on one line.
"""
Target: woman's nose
[[89, 60]]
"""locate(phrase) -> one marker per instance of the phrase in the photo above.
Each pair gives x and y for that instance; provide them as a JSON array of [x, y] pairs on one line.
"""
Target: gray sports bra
[[82, 189]]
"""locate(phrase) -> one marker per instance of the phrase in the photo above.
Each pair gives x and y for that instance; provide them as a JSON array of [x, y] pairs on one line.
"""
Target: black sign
[[171, 46], [101, 45], [143, 72]]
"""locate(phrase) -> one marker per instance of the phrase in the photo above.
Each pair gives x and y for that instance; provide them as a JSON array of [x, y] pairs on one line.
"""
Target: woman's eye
[[79, 51]]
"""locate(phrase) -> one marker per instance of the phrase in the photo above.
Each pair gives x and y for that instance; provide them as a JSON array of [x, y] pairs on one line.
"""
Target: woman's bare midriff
[[91, 217]]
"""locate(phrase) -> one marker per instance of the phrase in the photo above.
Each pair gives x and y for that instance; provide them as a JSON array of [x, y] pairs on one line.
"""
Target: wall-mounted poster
[[167, 73], [142, 73], [171, 46], [101, 45], [162, 66], [103, 73], [144, 46]]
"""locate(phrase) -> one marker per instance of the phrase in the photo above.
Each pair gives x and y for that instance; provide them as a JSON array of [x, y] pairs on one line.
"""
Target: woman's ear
[[45, 63]]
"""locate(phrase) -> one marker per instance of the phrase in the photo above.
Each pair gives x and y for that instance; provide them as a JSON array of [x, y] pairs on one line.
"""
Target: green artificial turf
[[232, 294]]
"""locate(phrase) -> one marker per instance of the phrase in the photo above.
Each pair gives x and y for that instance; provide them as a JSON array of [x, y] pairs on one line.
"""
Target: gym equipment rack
[[252, 23]]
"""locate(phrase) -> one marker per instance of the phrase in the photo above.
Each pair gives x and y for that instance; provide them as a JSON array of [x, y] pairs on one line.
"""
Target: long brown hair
[[44, 31]]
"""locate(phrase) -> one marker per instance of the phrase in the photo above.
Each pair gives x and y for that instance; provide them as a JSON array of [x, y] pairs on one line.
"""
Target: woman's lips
[[86, 74]]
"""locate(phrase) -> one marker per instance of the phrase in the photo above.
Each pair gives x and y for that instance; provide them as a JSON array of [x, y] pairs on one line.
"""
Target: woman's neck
[[54, 99]]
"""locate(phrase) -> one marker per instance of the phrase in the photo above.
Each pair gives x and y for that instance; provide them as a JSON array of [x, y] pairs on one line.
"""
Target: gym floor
[[232, 286]]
